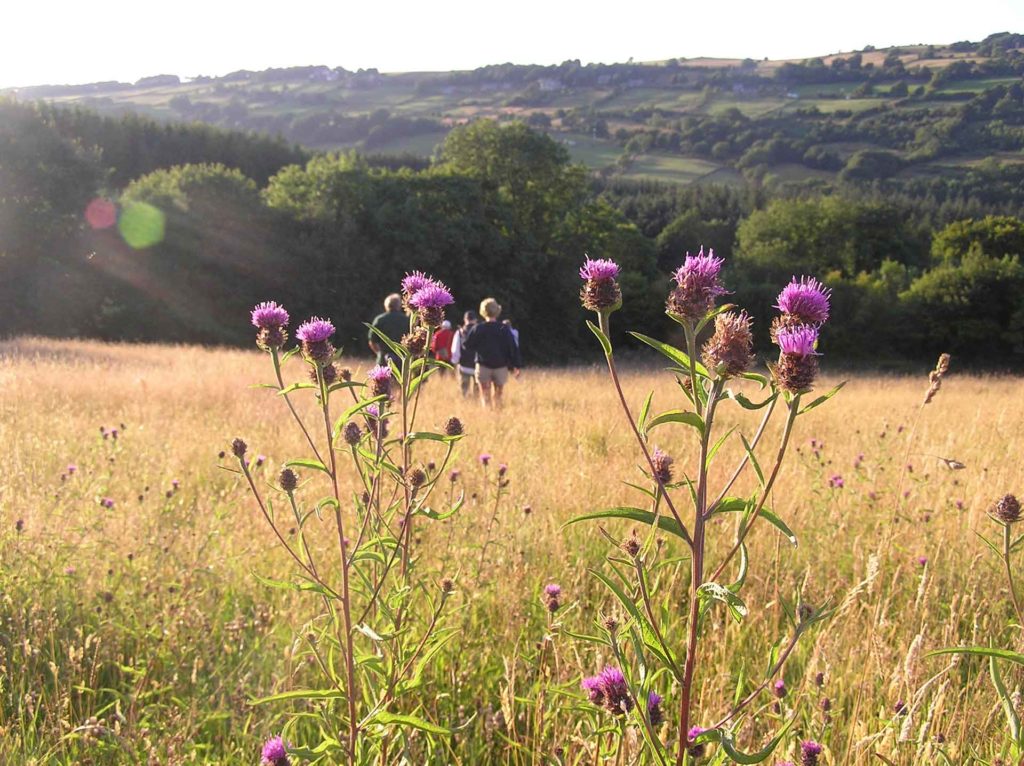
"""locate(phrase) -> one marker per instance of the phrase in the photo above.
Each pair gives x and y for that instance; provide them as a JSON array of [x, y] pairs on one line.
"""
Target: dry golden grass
[[154, 600]]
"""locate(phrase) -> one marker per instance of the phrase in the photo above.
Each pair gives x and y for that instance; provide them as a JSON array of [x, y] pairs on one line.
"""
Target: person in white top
[[465, 362]]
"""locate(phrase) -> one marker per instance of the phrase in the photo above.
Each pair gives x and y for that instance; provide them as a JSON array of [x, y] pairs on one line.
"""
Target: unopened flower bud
[[1007, 509], [453, 427], [289, 481], [238, 448]]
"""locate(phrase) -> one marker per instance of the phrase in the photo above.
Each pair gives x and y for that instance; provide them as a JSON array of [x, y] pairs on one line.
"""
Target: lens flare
[[101, 213], [141, 225]]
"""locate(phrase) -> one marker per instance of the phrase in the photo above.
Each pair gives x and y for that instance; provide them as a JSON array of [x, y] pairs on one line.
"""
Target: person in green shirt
[[393, 323]]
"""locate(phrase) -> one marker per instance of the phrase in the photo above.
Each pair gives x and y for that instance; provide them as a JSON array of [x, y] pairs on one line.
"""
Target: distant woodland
[[163, 209]]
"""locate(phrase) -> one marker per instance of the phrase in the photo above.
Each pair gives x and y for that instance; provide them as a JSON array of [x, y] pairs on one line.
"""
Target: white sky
[[57, 41]]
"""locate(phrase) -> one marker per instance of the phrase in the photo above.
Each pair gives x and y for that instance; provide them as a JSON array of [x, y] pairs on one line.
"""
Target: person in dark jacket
[[497, 353], [465, 361], [394, 324]]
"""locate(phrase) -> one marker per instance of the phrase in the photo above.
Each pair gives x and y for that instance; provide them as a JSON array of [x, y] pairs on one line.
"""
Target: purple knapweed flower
[[922, 560], [431, 296], [608, 688], [107, 502], [779, 688], [274, 753], [835, 481], [806, 300], [269, 314], [654, 708], [72, 468], [601, 268], [809, 752], [798, 341], [552, 594], [697, 286], [414, 282], [600, 291], [592, 686], [485, 459], [315, 330], [379, 378], [551, 589]]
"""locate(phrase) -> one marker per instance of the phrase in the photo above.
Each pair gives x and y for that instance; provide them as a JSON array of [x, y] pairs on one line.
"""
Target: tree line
[[500, 211]]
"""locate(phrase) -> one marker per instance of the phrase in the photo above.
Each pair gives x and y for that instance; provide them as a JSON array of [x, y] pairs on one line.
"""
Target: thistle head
[[797, 367], [552, 596], [697, 286], [654, 713], [413, 282], [274, 753], [288, 480], [661, 463], [453, 427], [730, 350], [1007, 509], [314, 335], [271, 319], [379, 380], [429, 301], [809, 752], [600, 291], [806, 300]]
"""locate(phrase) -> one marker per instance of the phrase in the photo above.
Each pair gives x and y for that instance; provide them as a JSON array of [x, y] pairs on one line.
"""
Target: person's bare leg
[[485, 393], [497, 396]]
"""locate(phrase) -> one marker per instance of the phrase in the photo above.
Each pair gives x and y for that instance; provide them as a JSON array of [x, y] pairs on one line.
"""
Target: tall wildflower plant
[[378, 615], [656, 641]]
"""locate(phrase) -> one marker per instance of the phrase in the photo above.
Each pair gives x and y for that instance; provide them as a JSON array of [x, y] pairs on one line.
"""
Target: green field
[[669, 168]]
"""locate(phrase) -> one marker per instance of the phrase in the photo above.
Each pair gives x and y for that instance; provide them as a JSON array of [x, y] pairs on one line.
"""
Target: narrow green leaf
[[678, 416], [676, 355], [299, 694], [717, 446], [605, 343], [711, 315], [316, 465], [731, 505], [398, 349], [982, 651], [822, 399], [641, 421], [295, 387], [650, 639], [744, 402], [753, 461], [665, 523], [395, 719], [712, 591], [1012, 719]]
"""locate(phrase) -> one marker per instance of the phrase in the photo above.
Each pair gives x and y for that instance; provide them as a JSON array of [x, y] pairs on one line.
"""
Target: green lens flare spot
[[141, 225]]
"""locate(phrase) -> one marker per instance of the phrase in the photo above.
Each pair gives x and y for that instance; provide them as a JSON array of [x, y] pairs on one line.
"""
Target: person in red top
[[441, 345]]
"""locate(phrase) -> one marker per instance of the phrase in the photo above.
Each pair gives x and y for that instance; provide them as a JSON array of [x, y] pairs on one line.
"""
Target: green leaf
[[761, 380], [650, 640], [822, 399], [665, 523], [725, 739], [753, 461], [395, 719], [679, 357], [733, 504], [641, 421], [299, 694], [711, 315], [316, 465], [710, 592], [717, 446], [398, 349], [1012, 719], [982, 651], [605, 343], [295, 387], [430, 436], [744, 565], [746, 403], [678, 416]]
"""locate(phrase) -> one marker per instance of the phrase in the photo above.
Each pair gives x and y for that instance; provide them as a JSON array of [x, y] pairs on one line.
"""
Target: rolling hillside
[[909, 112]]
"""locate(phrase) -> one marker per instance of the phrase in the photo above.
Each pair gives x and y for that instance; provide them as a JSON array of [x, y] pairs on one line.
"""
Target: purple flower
[[72, 468], [807, 300], [599, 269], [485, 459], [431, 296], [592, 686], [107, 502], [697, 286], [608, 688], [780, 688], [414, 282], [835, 481], [551, 589], [274, 753], [315, 330], [701, 270], [269, 314], [922, 560], [809, 752], [379, 374], [696, 751], [654, 708], [798, 341], [552, 593]]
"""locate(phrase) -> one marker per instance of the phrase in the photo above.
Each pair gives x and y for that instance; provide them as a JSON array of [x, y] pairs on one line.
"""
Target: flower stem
[[1009, 572]]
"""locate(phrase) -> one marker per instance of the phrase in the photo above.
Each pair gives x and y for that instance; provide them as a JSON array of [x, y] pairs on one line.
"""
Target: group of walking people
[[483, 350]]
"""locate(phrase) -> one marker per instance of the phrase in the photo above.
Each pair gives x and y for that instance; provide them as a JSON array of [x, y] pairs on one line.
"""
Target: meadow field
[[137, 625]]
